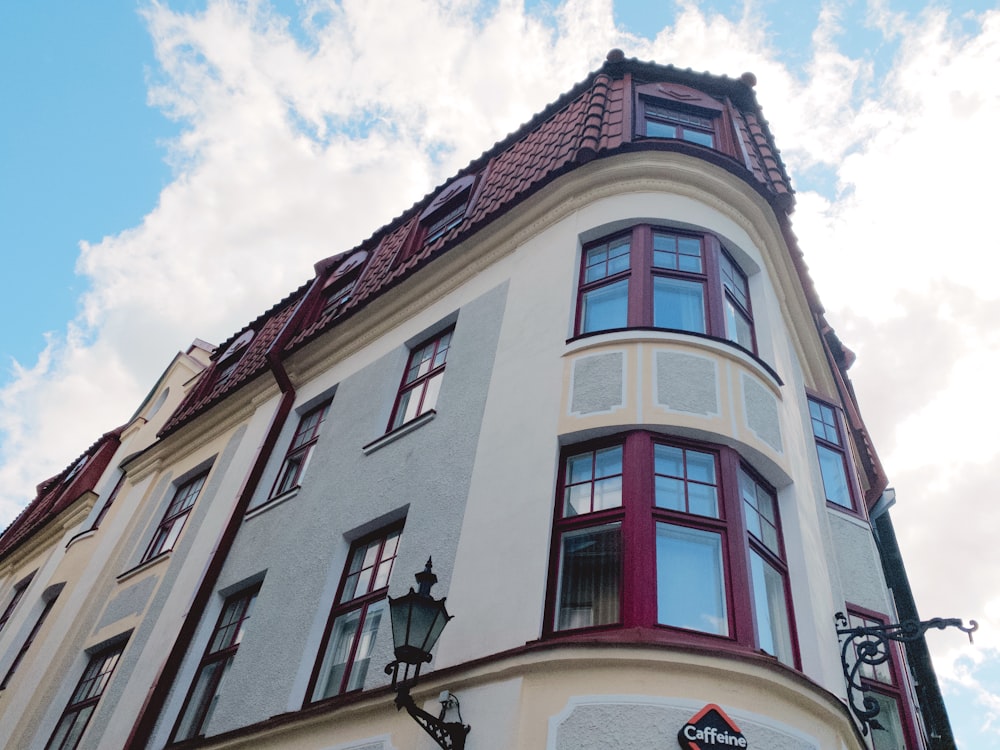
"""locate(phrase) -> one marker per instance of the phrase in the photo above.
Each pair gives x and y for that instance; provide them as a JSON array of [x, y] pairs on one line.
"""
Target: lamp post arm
[[868, 646], [449, 735]]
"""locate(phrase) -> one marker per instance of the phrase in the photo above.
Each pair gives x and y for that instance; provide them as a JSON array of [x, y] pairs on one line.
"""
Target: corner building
[[590, 377]]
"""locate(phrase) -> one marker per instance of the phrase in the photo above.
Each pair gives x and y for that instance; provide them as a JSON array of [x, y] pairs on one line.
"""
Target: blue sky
[[154, 159]]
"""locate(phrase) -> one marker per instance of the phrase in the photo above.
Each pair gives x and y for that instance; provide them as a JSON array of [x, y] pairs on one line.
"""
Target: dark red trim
[[156, 697]]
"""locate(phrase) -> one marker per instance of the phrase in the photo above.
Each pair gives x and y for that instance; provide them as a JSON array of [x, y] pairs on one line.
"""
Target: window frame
[[16, 595], [421, 380], [218, 660], [32, 634], [643, 274], [96, 672], [175, 517], [639, 517], [897, 688], [684, 102], [361, 604], [290, 475], [838, 448]]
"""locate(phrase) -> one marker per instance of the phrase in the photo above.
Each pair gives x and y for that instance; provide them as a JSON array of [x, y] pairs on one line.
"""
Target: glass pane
[[608, 493], [669, 460], [701, 467], [202, 700], [605, 307], [689, 250], [738, 329], [359, 669], [608, 461], [690, 585], [696, 136], [888, 734], [702, 500], [831, 464], [589, 578], [657, 129], [678, 304], [579, 468], [577, 500], [338, 651], [431, 390], [670, 493], [770, 608]]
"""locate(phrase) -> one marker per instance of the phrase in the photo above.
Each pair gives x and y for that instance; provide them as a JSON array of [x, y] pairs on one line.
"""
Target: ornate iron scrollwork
[[869, 646], [449, 735]]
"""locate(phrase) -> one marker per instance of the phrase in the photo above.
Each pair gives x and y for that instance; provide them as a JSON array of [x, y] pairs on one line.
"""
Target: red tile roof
[[60, 492], [588, 122]]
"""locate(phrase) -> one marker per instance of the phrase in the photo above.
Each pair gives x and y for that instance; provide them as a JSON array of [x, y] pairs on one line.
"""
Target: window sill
[[404, 429], [150, 563], [849, 513], [272, 502]]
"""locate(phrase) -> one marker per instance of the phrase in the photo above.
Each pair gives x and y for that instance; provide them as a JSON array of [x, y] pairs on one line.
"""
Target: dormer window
[[339, 287], [227, 363], [447, 210], [675, 112], [665, 122]]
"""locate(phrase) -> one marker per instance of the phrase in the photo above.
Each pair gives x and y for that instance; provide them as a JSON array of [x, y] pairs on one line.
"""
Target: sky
[[168, 170]]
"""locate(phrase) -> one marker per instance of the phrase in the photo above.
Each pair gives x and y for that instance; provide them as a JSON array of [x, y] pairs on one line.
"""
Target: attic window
[[675, 112], [226, 364], [339, 287], [447, 210]]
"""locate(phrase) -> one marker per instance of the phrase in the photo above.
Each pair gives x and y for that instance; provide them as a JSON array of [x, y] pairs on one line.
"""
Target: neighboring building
[[590, 376]]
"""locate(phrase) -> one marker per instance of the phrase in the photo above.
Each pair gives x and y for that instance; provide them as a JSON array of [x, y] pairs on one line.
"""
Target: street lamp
[[417, 621]]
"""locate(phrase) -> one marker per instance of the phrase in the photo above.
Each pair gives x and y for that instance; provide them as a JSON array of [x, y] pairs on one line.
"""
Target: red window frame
[[87, 694], [656, 285], [887, 679], [421, 379], [170, 528], [107, 503], [300, 450], [15, 599], [686, 474], [355, 617], [50, 602], [219, 654], [830, 437]]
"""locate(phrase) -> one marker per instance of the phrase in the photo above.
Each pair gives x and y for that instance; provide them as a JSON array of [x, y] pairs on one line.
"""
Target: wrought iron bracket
[[869, 647], [449, 735]]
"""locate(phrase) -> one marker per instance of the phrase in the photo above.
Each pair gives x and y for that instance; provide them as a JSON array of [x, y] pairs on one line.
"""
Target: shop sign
[[710, 729]]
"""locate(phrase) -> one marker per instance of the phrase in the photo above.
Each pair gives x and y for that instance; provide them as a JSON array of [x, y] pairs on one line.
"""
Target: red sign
[[710, 729]]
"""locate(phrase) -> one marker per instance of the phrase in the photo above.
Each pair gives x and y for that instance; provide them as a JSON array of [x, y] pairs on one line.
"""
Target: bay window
[[650, 277], [671, 534]]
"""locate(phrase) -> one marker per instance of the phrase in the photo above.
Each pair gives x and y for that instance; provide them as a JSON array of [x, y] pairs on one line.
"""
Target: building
[[590, 377]]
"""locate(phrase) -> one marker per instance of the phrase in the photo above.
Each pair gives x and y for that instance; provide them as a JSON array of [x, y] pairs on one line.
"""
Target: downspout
[[156, 697]]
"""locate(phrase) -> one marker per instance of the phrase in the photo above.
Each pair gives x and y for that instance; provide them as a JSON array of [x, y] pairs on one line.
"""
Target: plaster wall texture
[[687, 382], [598, 382], [859, 564], [303, 543]]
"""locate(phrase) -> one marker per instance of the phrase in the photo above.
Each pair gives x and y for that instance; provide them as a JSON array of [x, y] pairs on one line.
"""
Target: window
[[893, 727], [422, 380], [447, 210], [15, 599], [219, 654], [107, 503], [173, 520], [670, 122], [303, 442], [660, 278], [361, 602], [830, 443], [49, 602], [704, 540], [84, 700]]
